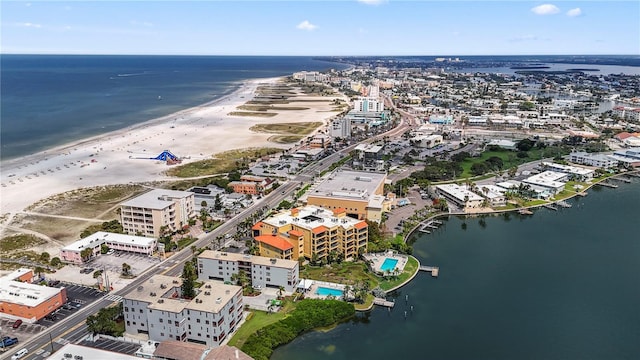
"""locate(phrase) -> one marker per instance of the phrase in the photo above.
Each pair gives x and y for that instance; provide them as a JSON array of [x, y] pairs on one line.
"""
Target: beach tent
[[165, 155]]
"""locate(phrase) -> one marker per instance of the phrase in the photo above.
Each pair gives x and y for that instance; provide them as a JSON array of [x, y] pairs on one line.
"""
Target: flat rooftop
[[161, 292], [311, 217], [102, 237], [88, 353], [26, 294], [258, 260], [346, 184], [157, 199], [547, 179], [568, 168], [459, 192]]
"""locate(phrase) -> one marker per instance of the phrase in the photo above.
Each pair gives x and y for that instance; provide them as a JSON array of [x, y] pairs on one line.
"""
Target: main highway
[[73, 328]]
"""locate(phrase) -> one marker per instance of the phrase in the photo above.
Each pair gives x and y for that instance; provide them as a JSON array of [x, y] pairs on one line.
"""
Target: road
[[74, 328]]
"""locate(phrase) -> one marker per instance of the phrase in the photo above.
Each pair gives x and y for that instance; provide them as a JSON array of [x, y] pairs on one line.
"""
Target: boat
[[525, 212]]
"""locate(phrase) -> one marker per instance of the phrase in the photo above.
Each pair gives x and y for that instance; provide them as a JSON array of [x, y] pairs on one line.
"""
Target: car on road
[[20, 354], [17, 324]]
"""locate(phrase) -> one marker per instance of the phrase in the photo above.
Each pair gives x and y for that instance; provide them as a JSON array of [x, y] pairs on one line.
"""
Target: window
[[140, 311], [207, 322], [128, 323], [126, 308], [176, 323], [161, 320], [198, 321]]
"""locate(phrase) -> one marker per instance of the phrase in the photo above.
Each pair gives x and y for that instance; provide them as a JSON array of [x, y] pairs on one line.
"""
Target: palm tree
[[126, 268], [280, 291]]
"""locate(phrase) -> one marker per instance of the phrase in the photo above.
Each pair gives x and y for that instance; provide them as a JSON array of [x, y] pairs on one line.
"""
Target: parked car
[[17, 324], [111, 252], [21, 353], [68, 306], [7, 341], [54, 282]]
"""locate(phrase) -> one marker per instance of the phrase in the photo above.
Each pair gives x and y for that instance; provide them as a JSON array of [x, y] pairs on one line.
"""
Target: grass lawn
[[285, 139], [509, 159], [252, 113], [19, 241], [256, 321], [220, 163], [344, 273], [302, 128], [409, 269]]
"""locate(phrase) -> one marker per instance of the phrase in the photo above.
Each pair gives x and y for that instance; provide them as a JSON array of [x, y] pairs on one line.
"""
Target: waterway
[[556, 285]]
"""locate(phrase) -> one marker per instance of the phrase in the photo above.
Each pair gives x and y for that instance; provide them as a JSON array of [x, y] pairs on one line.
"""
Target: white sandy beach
[[114, 158]]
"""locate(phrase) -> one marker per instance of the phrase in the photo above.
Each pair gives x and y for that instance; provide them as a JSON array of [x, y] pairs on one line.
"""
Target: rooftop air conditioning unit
[[208, 286], [207, 293], [160, 301], [218, 300]]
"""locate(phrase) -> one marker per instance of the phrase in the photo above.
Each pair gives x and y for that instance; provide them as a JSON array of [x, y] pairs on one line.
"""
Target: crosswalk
[[113, 298]]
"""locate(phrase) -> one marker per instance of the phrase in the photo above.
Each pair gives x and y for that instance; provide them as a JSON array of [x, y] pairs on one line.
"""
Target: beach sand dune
[[122, 156]]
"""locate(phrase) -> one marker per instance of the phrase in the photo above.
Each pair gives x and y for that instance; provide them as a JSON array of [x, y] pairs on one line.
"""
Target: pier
[[583, 193], [429, 225], [550, 207], [606, 184], [623, 179], [383, 302], [434, 270], [563, 203], [525, 212]]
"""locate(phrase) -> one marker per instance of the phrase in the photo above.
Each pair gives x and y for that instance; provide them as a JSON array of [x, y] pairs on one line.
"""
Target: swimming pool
[[323, 291], [389, 264]]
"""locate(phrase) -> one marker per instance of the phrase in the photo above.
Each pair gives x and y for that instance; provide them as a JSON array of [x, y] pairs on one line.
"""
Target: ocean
[[50, 100], [556, 285]]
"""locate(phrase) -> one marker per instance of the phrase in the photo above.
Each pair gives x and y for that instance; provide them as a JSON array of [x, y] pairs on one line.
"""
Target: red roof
[[360, 225], [257, 226], [339, 211], [320, 229], [295, 233], [275, 241]]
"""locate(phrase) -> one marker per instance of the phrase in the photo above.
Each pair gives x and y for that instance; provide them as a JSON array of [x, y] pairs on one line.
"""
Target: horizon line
[[316, 55]]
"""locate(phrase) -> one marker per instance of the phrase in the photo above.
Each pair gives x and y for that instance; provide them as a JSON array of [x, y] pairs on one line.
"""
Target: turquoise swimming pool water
[[389, 264], [323, 291]]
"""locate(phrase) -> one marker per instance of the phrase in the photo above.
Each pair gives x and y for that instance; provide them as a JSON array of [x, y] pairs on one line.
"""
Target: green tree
[[55, 262], [126, 269], [189, 277], [203, 203], [45, 257], [104, 248], [86, 254]]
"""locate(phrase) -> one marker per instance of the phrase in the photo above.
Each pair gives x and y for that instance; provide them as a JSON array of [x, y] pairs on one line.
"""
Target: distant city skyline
[[321, 28]]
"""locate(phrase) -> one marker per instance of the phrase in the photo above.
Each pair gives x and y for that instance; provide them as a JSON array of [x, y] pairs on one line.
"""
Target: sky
[[332, 28]]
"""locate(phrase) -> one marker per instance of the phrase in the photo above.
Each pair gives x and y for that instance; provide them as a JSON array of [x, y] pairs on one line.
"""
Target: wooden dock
[[550, 207], [383, 302], [563, 203], [525, 212], [583, 193], [606, 184], [434, 270]]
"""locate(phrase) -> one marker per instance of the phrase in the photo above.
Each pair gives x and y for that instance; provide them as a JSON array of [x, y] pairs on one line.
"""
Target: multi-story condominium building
[[20, 299], [156, 308], [459, 195], [262, 271], [149, 212], [121, 242], [314, 232], [340, 128], [359, 193], [597, 160], [368, 104], [252, 185]]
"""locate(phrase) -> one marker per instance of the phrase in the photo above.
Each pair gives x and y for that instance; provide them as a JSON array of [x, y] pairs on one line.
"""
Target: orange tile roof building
[[252, 185], [20, 299], [311, 231]]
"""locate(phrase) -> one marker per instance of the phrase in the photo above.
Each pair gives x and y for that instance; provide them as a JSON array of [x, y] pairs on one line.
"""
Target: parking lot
[[78, 297], [112, 345], [112, 264], [24, 332]]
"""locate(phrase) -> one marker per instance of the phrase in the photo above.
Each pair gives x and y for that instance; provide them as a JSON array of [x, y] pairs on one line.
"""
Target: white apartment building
[[494, 194], [577, 172], [147, 213], [368, 104], [340, 128], [156, 308], [551, 181], [122, 242], [459, 196], [597, 160], [262, 271]]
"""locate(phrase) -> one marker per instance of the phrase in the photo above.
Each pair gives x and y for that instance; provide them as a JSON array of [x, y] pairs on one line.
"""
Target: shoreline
[[125, 156]]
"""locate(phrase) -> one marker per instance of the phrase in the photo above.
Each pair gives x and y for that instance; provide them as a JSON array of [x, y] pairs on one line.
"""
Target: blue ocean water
[[50, 100]]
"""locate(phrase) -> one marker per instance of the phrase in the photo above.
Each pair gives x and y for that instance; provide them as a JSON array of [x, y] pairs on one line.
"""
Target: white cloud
[[29, 25], [306, 25], [141, 23], [574, 12], [372, 2], [545, 9], [524, 38]]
